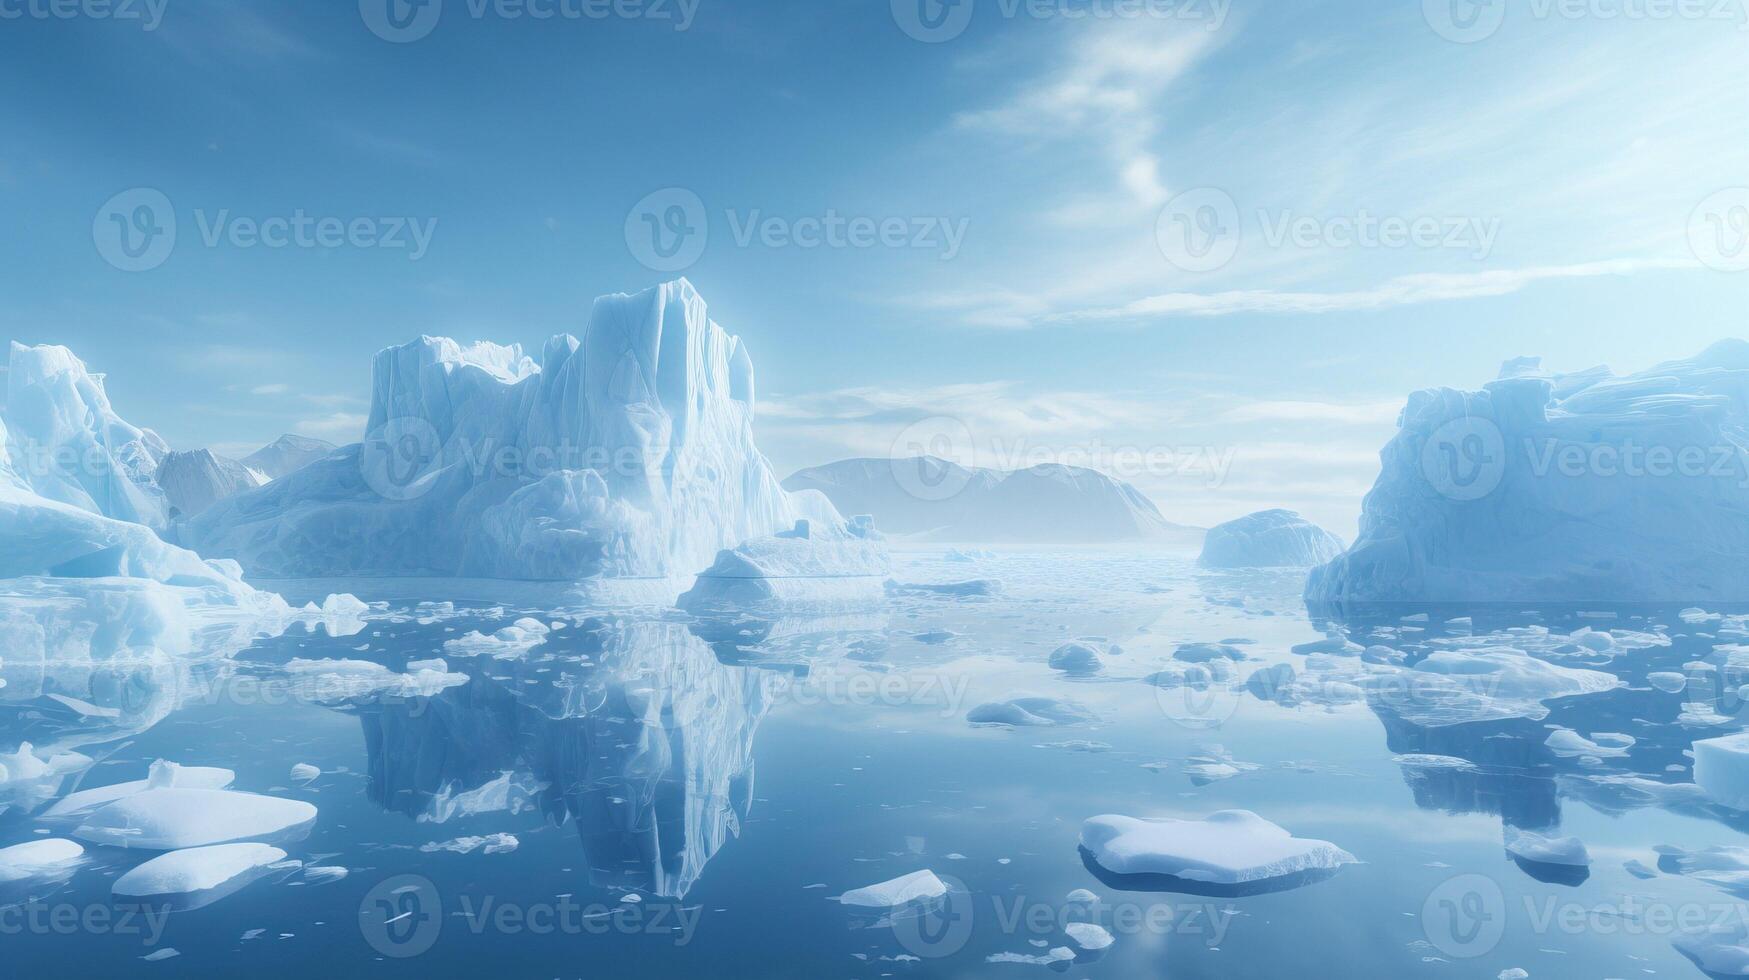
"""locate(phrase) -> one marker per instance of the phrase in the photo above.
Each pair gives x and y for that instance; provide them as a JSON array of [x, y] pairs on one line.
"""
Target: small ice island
[[1268, 539], [1549, 487]]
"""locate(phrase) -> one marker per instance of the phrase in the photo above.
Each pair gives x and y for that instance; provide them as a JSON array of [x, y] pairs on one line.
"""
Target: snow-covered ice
[[899, 891], [337, 681], [1721, 767], [160, 774], [1089, 935], [1228, 847], [199, 869], [50, 856], [813, 563], [1528, 845], [174, 818], [1268, 539], [1076, 657], [1030, 711]]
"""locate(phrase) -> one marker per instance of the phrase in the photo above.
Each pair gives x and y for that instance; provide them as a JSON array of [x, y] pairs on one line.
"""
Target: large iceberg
[[627, 454], [1561, 487], [1268, 539], [945, 501]]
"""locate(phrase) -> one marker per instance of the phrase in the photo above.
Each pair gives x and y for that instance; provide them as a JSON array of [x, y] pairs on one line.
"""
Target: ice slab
[[173, 818], [1721, 767], [1528, 845], [899, 891], [38, 858], [1030, 711], [1228, 847], [160, 774], [199, 869]]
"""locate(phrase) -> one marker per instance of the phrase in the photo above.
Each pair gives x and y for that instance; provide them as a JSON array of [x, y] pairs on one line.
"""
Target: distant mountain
[[287, 454], [1049, 504], [195, 480]]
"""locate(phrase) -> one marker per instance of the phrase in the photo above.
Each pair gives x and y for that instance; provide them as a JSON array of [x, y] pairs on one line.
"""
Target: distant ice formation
[[195, 480], [1565, 487], [1268, 539], [626, 454], [943, 501], [286, 455]]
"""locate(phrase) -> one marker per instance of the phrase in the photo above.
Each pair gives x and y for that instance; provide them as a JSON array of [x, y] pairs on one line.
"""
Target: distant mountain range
[[942, 501], [195, 480]]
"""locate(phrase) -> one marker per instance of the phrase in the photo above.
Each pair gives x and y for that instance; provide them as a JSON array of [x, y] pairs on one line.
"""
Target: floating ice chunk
[[334, 681], [1721, 767], [1534, 847], [1089, 935], [1719, 950], [1419, 761], [173, 818], [1724, 866], [1076, 657], [813, 563], [1082, 896], [322, 874], [161, 774], [199, 869], [1668, 681], [1568, 744], [1057, 954], [899, 891], [1268, 539], [159, 955], [1030, 711], [512, 641], [1451, 687], [1228, 847], [1695, 615], [1202, 653], [489, 844], [303, 772], [1513, 973], [971, 587], [38, 858], [1334, 643]]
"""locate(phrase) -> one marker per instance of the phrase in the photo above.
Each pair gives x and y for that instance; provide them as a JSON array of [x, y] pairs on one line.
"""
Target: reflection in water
[[637, 732]]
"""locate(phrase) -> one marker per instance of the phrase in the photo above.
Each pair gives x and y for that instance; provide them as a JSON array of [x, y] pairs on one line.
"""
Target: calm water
[[688, 801]]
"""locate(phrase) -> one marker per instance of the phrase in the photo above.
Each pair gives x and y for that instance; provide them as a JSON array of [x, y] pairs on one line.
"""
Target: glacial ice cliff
[[195, 480], [626, 454], [1268, 539], [1586, 487]]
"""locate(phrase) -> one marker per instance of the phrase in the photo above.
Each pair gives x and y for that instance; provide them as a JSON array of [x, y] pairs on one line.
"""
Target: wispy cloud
[[341, 427]]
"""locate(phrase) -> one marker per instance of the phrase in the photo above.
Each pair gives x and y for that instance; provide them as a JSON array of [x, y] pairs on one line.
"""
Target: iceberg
[[943, 501], [1719, 950], [1229, 847], [809, 566], [1536, 848], [159, 774], [332, 682], [1030, 712], [193, 481], [287, 454], [1560, 488], [1076, 657], [1268, 539], [902, 890], [626, 454], [172, 818]]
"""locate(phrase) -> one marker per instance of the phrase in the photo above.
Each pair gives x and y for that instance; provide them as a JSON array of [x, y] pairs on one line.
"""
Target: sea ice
[[1719, 950], [899, 891], [812, 563], [1536, 848], [161, 774], [1721, 767], [1029, 711], [1228, 847], [1668, 681], [1268, 539], [1568, 744], [335, 681], [174, 818], [1076, 657], [488, 844], [38, 858], [199, 869], [1089, 935]]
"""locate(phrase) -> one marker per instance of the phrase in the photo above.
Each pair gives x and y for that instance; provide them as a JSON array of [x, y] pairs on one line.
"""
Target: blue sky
[[1043, 170]]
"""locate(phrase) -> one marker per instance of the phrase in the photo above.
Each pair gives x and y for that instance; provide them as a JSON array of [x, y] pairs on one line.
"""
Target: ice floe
[[1228, 847]]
